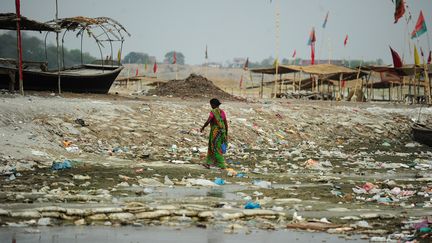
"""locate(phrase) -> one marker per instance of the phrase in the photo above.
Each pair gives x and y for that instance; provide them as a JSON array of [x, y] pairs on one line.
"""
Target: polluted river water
[[160, 234]]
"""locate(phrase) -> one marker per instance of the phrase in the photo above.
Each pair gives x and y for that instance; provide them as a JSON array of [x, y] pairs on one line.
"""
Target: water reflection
[[215, 192]]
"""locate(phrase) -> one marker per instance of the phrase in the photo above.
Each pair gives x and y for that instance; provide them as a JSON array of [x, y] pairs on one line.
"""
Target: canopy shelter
[[406, 76], [319, 75], [8, 22], [330, 72], [280, 70]]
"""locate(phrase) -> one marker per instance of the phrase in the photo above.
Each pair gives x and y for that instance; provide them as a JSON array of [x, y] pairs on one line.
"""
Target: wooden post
[[262, 86], [390, 88], [339, 88], [276, 77], [176, 71], [12, 81], [280, 86], [300, 80], [356, 82], [427, 92]]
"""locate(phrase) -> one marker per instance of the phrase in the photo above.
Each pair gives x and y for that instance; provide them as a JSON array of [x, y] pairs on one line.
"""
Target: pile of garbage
[[194, 86]]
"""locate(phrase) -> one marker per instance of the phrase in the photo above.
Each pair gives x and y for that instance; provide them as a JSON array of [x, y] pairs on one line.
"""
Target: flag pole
[[329, 46], [19, 47], [277, 29]]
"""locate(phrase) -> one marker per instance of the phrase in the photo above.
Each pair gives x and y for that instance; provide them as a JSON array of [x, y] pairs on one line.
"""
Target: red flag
[[429, 58], [399, 10], [397, 61], [246, 65], [312, 54], [343, 83], [136, 74], [346, 40], [174, 58], [155, 67], [421, 51], [241, 81], [420, 27], [294, 54]]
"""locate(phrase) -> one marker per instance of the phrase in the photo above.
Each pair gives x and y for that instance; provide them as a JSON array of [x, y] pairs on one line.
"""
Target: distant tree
[[297, 61], [254, 64], [267, 62], [34, 50], [379, 61], [136, 57], [285, 61], [169, 57]]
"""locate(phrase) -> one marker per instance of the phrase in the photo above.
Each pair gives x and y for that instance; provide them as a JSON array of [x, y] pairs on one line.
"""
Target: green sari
[[216, 138]]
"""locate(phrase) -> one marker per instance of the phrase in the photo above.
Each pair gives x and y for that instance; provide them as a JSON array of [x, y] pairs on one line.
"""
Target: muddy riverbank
[[346, 168]]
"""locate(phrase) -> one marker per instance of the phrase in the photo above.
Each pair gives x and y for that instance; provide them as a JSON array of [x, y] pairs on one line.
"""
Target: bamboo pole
[[300, 80], [357, 78], [339, 88], [427, 92]]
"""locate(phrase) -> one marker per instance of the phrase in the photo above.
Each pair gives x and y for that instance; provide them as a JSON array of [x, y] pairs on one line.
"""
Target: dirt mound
[[195, 86]]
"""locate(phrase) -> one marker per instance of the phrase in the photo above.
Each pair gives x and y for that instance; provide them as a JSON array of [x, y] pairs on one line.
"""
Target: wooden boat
[[422, 134], [88, 78]]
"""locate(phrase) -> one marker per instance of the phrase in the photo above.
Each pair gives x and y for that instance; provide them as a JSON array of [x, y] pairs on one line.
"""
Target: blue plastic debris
[[241, 175], [252, 205], [219, 181], [65, 164]]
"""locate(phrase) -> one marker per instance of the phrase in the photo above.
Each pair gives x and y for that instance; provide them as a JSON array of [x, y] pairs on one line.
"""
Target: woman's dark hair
[[215, 102]]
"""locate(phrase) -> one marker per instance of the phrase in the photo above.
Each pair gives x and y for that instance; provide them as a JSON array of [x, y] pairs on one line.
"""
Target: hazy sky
[[246, 28]]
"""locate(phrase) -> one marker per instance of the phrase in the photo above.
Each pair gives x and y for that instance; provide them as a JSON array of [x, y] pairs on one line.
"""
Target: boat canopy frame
[[111, 29]]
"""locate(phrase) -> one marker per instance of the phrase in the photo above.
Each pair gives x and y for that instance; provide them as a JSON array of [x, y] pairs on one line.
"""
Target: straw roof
[[282, 69], [8, 22], [82, 23], [327, 69], [319, 69]]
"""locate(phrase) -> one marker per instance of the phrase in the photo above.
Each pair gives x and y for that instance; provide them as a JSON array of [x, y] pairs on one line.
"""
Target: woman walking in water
[[218, 137]]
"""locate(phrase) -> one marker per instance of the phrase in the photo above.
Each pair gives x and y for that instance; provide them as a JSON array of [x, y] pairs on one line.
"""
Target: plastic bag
[[224, 148]]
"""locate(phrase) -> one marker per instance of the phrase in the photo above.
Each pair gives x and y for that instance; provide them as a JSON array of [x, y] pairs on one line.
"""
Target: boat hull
[[422, 134], [83, 79]]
